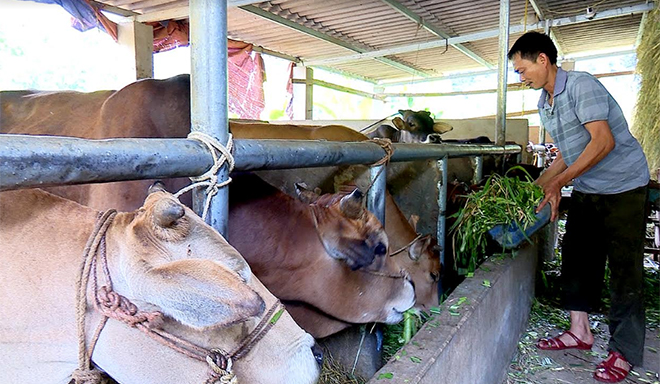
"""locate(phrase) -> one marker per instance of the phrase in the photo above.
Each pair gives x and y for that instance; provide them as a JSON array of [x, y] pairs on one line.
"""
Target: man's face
[[533, 73]]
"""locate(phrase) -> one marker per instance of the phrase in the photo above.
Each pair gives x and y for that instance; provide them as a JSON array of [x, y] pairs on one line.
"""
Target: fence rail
[[38, 161]]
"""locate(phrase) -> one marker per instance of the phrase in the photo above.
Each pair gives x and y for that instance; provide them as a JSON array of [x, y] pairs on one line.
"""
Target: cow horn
[[351, 205], [157, 186], [167, 212], [305, 195]]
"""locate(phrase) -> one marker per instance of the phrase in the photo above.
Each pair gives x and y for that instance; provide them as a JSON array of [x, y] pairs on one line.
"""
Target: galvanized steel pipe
[[502, 68], [376, 194], [208, 89], [441, 229], [478, 167], [33, 161]]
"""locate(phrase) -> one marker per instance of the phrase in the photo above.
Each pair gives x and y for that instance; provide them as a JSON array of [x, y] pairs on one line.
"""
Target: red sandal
[[615, 374], [555, 344]]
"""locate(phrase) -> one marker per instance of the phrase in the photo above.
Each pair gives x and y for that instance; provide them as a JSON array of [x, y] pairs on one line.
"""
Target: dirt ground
[[533, 366]]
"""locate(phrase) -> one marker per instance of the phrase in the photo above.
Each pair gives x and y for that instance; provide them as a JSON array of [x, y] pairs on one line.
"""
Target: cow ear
[[157, 186], [400, 124], [351, 204], [198, 293], [418, 247], [440, 127], [166, 212], [305, 195]]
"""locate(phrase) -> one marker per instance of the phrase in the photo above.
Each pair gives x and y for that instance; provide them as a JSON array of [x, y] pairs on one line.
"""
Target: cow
[[323, 252], [182, 277], [161, 108], [412, 127]]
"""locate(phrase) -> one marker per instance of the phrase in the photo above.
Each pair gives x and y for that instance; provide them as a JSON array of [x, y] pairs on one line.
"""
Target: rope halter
[[221, 155], [407, 246], [113, 305]]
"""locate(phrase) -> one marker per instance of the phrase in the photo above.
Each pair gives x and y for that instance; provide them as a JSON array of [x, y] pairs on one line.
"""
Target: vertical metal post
[[542, 134], [502, 66], [208, 83], [442, 210], [478, 167], [376, 194], [309, 93]]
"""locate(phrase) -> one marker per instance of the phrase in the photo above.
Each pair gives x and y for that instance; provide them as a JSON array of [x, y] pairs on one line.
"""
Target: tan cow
[[163, 258], [161, 108]]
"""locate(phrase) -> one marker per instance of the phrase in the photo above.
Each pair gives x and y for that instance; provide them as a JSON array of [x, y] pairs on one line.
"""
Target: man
[[606, 218]]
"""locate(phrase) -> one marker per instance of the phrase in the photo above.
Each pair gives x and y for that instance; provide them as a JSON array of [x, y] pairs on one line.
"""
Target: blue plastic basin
[[511, 235]]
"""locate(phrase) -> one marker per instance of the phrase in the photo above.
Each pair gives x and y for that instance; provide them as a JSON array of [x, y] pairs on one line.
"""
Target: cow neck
[[396, 223], [113, 305]]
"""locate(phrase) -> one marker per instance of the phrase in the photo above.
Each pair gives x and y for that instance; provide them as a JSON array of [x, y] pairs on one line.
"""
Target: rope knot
[[220, 365], [221, 155], [115, 306], [87, 376], [386, 144]]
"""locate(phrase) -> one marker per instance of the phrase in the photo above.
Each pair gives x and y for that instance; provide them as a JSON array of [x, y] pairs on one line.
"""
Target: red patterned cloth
[[246, 76]]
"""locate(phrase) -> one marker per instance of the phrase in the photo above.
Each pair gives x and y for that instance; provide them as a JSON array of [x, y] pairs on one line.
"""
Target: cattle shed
[[384, 43]]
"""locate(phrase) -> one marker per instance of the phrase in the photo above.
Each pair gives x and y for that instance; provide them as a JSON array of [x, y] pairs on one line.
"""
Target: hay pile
[[646, 127]]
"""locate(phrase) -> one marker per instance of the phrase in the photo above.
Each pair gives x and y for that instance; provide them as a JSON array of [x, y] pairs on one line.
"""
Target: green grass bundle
[[503, 200]]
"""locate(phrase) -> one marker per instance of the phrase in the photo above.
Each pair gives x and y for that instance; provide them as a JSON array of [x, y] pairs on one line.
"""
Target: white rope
[[221, 154]]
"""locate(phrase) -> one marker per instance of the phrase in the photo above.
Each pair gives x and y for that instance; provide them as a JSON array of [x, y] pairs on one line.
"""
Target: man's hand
[[552, 191]]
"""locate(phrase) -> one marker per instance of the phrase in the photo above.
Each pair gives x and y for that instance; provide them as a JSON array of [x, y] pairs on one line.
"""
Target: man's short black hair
[[531, 44]]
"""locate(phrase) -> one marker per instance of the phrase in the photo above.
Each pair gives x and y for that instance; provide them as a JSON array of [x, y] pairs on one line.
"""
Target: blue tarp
[[84, 16]]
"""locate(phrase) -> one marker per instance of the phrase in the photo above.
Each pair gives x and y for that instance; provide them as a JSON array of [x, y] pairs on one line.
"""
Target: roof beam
[[333, 40], [640, 31], [437, 31], [167, 14], [551, 33], [174, 13], [610, 13], [112, 9], [511, 87], [460, 75], [266, 51]]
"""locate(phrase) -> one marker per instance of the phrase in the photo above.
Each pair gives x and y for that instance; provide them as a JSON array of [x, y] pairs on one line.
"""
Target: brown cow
[[161, 108], [163, 258], [293, 247]]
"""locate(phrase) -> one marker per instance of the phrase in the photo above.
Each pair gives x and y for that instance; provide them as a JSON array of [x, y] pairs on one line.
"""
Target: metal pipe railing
[[441, 228], [208, 103], [502, 65], [37, 161], [376, 194]]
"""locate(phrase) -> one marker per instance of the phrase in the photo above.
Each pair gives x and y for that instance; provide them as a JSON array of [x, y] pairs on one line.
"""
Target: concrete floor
[[533, 366]]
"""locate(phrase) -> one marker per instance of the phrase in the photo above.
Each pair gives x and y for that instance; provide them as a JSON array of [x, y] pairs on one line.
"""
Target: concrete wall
[[476, 346], [516, 129]]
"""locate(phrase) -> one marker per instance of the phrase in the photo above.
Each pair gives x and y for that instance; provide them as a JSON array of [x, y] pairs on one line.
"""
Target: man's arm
[[601, 143], [558, 166]]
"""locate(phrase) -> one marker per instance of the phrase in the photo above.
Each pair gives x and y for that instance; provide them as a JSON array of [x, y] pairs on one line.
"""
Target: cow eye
[[435, 276], [380, 249]]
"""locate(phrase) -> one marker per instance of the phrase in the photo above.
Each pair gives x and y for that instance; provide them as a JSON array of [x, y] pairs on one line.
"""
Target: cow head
[[347, 230], [168, 259], [420, 121]]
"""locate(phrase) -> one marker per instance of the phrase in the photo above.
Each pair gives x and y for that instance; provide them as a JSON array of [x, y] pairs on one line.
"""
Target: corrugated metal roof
[[610, 33], [314, 30]]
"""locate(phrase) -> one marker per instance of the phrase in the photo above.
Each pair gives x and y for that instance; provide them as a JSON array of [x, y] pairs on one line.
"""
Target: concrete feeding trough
[[471, 342]]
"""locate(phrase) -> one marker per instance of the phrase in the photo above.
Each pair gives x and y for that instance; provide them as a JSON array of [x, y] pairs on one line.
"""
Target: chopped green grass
[[503, 200]]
